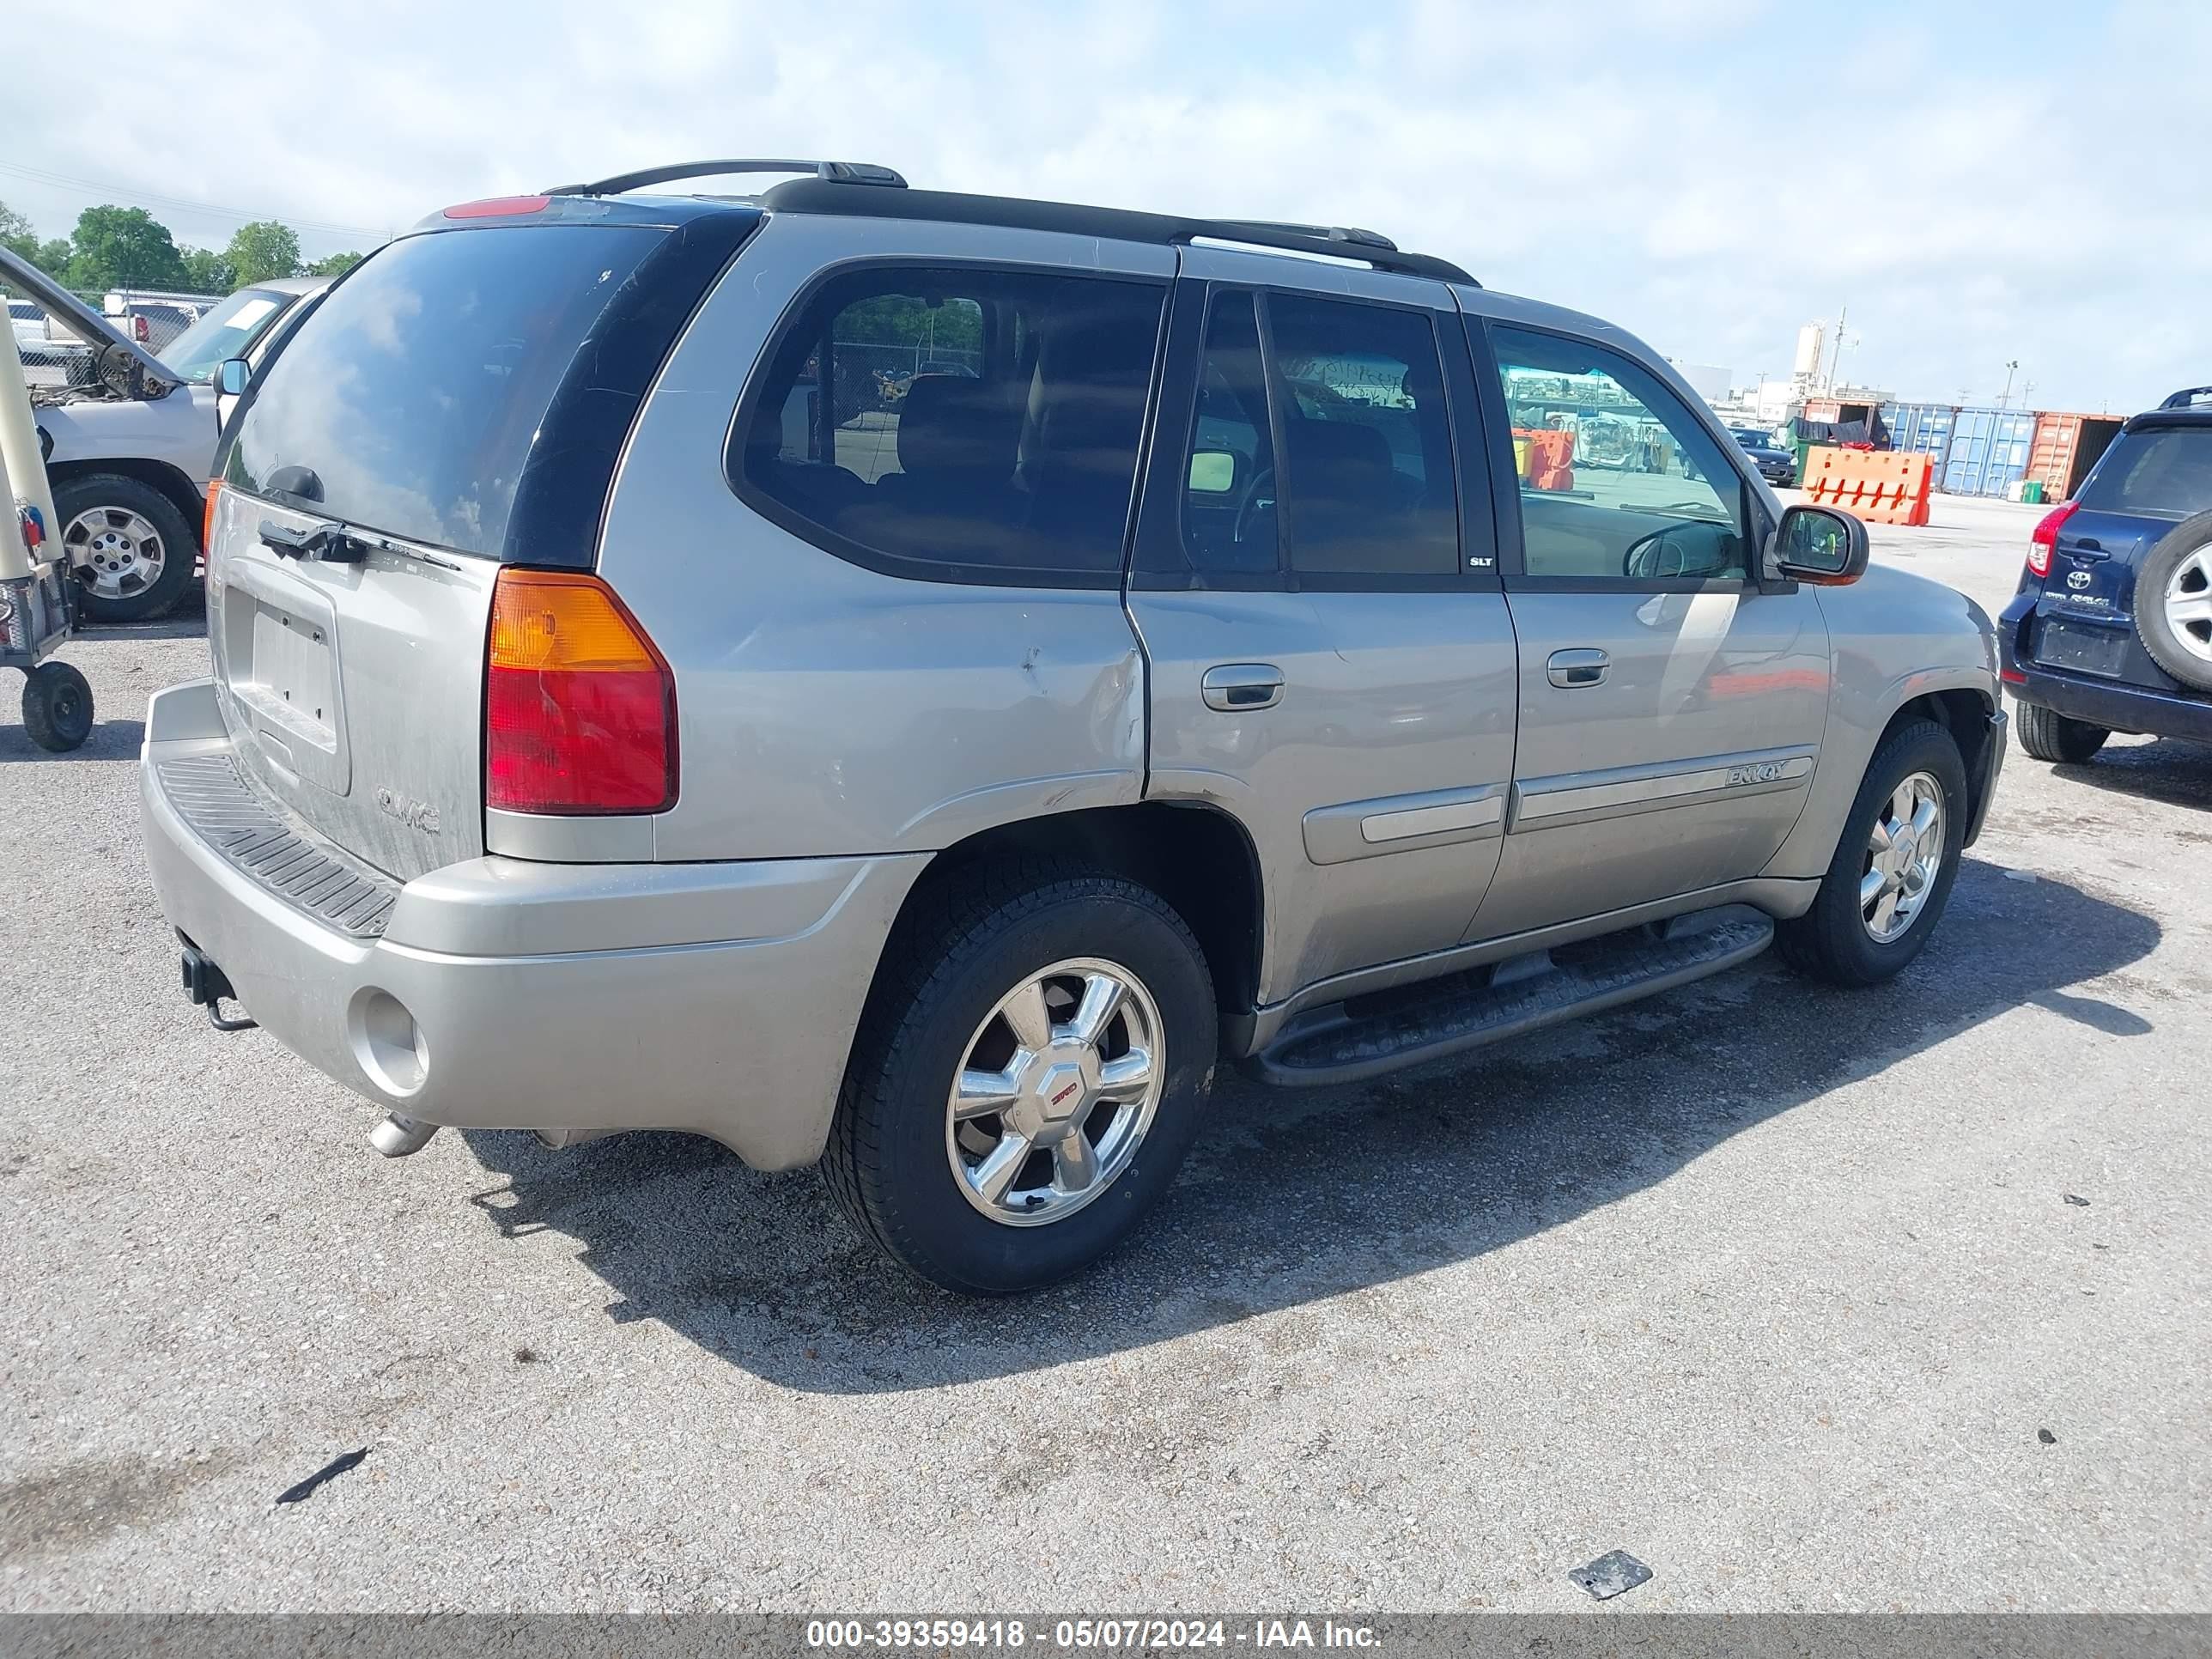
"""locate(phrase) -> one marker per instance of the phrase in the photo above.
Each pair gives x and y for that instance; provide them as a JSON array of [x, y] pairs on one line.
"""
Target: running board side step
[[1366, 1036]]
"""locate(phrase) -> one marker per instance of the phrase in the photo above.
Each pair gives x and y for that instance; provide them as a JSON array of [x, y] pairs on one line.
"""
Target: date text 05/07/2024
[[1077, 1635]]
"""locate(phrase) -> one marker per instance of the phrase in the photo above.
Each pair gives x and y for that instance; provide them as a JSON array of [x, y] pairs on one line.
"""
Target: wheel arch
[[1197, 857], [1963, 712]]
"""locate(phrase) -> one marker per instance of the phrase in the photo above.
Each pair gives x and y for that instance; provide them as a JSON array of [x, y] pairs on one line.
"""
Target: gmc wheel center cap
[[1065, 1079]]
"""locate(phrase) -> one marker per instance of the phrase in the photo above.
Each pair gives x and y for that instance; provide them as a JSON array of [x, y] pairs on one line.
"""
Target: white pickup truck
[[129, 448]]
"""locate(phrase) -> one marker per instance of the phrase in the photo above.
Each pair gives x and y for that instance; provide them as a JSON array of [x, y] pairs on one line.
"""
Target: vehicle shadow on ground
[[111, 739], [2169, 771], [1299, 1195]]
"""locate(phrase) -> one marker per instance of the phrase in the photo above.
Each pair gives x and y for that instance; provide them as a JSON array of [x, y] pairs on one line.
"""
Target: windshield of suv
[[2163, 471], [229, 331], [410, 401]]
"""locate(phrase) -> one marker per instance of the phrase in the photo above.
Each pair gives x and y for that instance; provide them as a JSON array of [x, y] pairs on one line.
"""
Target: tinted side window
[[1369, 484], [958, 423], [2163, 471], [1229, 494], [1618, 479]]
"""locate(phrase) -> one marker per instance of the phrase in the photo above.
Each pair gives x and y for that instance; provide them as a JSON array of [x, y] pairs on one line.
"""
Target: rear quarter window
[[413, 400], [965, 423], [2162, 471]]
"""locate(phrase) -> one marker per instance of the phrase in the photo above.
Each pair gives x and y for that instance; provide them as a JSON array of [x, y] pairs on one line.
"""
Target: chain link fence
[[56, 354]]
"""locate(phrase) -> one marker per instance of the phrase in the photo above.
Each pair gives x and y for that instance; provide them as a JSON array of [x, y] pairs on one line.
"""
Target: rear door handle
[[1236, 686], [1581, 666]]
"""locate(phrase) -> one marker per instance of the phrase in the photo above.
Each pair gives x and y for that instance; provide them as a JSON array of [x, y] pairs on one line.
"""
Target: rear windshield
[[2166, 471], [409, 402]]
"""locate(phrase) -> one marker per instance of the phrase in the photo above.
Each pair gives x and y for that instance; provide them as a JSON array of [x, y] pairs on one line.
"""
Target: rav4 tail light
[[579, 707], [2044, 539]]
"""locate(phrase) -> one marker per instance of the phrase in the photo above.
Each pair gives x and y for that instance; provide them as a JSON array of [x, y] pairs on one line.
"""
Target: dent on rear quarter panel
[[825, 708], [1895, 636]]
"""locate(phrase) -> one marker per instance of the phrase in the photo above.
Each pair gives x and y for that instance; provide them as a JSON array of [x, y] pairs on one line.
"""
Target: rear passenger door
[[1671, 707], [1314, 585]]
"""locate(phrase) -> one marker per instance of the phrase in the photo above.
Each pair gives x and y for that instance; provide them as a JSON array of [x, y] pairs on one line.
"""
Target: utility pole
[[2005, 397], [1836, 357]]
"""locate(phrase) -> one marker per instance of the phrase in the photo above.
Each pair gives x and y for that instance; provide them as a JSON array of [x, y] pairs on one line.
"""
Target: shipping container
[[1989, 450], [1921, 429], [2065, 447]]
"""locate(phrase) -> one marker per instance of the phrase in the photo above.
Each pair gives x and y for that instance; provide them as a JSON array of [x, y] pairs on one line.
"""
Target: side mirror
[[232, 377], [1820, 545], [1213, 471]]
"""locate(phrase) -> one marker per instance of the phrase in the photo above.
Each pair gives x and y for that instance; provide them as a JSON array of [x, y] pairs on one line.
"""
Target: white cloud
[[1988, 185]]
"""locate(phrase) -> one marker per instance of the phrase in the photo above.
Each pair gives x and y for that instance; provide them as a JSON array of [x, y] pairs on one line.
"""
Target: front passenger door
[[1669, 711]]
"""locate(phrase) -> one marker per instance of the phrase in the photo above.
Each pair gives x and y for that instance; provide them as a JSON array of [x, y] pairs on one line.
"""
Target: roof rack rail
[[1374, 239], [2187, 397], [843, 172], [821, 195]]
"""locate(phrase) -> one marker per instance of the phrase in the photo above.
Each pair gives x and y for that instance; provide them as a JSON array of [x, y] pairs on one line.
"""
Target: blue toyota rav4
[[2112, 628]]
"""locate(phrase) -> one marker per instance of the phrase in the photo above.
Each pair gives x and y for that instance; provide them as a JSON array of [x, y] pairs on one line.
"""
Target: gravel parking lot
[[1894, 1300]]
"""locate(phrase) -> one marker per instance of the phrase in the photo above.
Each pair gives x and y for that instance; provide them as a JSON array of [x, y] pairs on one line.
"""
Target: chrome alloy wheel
[[1903, 853], [116, 553], [1058, 1087], [2189, 603]]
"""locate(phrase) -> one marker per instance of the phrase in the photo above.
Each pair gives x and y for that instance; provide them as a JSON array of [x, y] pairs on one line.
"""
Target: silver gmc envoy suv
[[912, 680]]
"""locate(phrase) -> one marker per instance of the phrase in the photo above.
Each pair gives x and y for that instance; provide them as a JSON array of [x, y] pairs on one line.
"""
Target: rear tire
[[2052, 737], [1841, 938], [141, 550], [905, 1161]]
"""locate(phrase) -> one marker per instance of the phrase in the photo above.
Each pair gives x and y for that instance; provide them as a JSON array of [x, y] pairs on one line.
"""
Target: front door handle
[[1582, 666], [1236, 686]]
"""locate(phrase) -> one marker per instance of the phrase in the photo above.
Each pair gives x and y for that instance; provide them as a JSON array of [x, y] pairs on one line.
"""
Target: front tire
[[131, 550], [2052, 737], [1887, 886], [1027, 1079]]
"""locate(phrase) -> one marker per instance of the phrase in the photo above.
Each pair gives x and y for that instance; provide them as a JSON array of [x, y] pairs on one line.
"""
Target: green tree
[[206, 271], [123, 247], [17, 234], [334, 265], [264, 249]]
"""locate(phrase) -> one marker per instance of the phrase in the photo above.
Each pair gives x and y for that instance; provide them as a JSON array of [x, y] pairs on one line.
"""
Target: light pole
[[2005, 397]]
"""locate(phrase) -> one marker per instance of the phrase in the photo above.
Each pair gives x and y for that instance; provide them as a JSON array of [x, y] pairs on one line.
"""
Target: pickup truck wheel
[[1894, 867], [131, 549], [2052, 737], [1027, 1079]]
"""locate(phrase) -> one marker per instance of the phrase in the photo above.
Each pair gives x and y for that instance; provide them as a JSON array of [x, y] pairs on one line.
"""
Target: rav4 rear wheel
[[2173, 602], [2051, 737], [1027, 1079], [1894, 867]]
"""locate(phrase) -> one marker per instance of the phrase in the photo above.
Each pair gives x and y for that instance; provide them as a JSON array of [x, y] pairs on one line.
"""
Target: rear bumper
[[719, 998], [2112, 704], [2115, 707]]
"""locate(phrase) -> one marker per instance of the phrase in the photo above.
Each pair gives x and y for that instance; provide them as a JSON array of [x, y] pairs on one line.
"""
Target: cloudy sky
[[1977, 182]]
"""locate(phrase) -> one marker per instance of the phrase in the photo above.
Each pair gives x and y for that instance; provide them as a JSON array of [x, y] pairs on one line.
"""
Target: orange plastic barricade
[[1881, 486], [1550, 457]]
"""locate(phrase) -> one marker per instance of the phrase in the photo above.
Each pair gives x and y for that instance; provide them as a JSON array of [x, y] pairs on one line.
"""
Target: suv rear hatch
[[2156, 473], [457, 404]]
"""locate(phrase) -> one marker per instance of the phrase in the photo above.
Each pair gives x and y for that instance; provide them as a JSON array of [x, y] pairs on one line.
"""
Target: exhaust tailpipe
[[399, 1135]]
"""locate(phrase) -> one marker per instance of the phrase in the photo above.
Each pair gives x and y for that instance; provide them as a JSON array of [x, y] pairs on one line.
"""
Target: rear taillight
[[580, 709], [139, 330], [2044, 539], [207, 516]]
